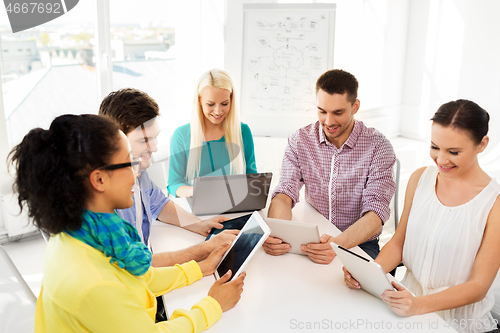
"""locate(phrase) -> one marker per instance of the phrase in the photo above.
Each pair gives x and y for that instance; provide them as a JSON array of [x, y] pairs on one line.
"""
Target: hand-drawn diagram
[[284, 54]]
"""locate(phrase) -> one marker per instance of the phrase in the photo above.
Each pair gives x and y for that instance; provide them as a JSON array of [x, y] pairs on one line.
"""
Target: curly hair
[[51, 168], [129, 107]]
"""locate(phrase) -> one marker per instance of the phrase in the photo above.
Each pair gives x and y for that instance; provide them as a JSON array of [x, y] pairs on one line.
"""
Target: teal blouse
[[214, 156]]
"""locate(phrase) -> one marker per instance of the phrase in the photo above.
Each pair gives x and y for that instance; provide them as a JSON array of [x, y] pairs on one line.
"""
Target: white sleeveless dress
[[441, 245]]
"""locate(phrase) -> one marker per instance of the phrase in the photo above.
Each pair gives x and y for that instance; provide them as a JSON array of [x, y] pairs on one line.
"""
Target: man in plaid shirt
[[347, 169]]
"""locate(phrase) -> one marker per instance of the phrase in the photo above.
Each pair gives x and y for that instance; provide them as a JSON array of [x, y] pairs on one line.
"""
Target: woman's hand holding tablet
[[370, 275], [401, 300], [227, 294], [209, 265], [249, 240], [349, 280]]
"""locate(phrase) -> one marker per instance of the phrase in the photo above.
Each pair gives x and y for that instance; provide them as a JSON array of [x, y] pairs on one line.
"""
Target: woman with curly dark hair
[[98, 275]]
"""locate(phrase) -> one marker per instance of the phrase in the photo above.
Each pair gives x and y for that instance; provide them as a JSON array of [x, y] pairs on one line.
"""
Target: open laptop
[[230, 193], [368, 273]]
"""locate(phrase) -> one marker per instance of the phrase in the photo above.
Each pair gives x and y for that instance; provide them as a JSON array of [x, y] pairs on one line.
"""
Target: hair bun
[[50, 171]]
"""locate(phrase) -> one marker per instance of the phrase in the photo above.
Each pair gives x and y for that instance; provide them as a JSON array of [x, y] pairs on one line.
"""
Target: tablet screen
[[236, 223], [248, 240]]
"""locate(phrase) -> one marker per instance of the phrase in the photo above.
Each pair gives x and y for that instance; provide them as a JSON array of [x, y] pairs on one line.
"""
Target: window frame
[[103, 72]]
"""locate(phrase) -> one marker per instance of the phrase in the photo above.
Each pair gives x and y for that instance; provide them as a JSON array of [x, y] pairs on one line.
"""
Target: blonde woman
[[215, 142]]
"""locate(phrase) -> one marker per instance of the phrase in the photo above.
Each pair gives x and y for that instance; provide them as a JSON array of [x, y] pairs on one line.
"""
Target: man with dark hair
[[130, 108], [136, 113], [347, 170]]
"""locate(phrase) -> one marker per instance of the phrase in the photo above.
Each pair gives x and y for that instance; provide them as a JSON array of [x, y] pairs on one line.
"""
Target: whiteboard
[[286, 47]]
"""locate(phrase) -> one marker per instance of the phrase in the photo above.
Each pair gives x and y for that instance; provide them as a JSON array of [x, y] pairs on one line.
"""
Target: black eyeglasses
[[135, 164]]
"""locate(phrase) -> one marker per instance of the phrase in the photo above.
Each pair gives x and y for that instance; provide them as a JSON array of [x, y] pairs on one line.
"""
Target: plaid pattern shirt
[[342, 184]]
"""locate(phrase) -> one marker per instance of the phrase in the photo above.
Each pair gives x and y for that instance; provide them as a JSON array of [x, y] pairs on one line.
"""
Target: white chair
[[17, 301], [45, 236], [396, 195], [395, 202]]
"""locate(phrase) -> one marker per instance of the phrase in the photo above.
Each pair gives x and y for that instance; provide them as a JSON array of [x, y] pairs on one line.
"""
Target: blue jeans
[[371, 248]]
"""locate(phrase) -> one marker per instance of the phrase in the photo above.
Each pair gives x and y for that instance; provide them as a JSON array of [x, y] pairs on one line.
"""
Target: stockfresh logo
[[28, 14]]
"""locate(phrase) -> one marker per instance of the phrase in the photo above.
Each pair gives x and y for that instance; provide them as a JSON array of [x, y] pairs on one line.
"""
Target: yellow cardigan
[[83, 292]]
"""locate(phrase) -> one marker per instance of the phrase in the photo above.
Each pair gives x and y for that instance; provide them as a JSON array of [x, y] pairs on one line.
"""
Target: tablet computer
[[236, 223], [369, 274], [294, 233], [245, 245]]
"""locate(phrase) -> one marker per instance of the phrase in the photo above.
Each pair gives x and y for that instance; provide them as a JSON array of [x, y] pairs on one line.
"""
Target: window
[[143, 52], [64, 68], [52, 72]]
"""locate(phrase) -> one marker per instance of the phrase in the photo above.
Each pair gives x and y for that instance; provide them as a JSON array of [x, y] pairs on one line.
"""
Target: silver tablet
[[245, 245], [294, 233], [369, 274]]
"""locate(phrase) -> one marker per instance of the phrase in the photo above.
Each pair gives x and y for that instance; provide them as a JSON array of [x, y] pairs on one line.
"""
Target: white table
[[291, 293]]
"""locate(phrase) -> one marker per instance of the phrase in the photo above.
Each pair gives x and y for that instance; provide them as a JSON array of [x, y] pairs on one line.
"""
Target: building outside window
[[50, 70]]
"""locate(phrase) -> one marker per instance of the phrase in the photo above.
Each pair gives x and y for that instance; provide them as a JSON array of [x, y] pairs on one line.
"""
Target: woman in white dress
[[449, 229]]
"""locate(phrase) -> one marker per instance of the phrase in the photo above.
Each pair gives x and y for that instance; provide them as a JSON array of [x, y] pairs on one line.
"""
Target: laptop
[[230, 193]]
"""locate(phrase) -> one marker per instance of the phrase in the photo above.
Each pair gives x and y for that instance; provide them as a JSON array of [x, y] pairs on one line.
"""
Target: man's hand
[[321, 253], [204, 227], [275, 246], [227, 236]]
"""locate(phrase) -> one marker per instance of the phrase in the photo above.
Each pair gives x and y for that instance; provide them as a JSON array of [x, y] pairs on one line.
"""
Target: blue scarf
[[116, 238]]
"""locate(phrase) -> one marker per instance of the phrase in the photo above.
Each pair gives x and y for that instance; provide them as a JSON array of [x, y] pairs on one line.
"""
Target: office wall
[[199, 30], [453, 51], [199, 47], [370, 42], [410, 56]]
